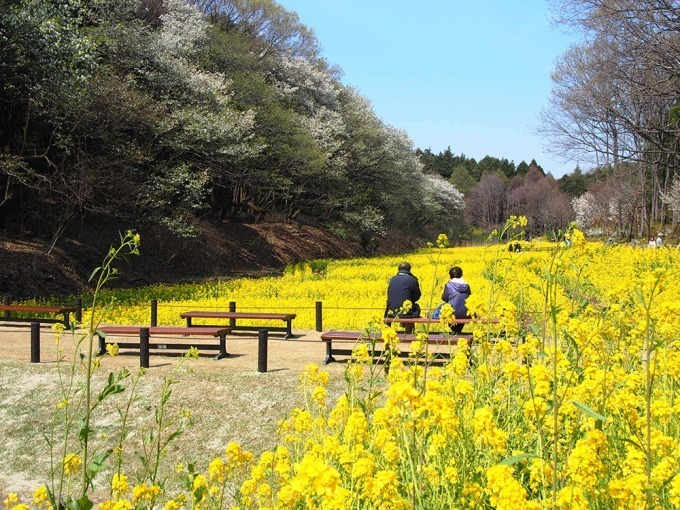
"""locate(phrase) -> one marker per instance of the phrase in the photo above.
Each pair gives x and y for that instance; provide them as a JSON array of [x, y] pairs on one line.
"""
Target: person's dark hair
[[456, 272], [404, 266]]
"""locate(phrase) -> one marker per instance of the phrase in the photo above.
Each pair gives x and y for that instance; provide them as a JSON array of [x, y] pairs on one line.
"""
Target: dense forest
[[173, 113], [163, 111]]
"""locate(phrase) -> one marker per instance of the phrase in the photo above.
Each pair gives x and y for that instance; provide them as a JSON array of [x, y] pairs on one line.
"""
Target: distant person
[[403, 287], [456, 292], [651, 243], [659, 240]]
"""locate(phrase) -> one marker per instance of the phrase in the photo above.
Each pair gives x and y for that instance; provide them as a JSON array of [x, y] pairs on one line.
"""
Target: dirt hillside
[[29, 268]]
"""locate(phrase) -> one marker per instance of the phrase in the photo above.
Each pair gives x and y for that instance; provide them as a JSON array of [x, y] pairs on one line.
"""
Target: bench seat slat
[[176, 331], [356, 336], [65, 311], [237, 315], [166, 330], [31, 308], [430, 320], [232, 316], [435, 339]]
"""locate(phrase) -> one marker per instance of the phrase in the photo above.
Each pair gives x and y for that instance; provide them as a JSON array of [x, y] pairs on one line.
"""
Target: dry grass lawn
[[229, 400]]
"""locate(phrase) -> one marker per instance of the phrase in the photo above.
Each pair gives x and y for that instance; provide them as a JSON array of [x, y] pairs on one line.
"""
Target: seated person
[[456, 292], [403, 286]]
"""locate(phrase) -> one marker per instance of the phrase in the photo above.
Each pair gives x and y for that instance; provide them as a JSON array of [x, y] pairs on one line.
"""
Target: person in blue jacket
[[456, 292]]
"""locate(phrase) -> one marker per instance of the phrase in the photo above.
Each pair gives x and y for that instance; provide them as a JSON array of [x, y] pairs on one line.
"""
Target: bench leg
[[102, 345], [223, 348], [67, 323], [329, 353], [289, 331], [188, 322]]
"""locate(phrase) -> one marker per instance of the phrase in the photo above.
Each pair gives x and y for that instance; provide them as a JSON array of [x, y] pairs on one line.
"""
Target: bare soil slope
[[29, 268]]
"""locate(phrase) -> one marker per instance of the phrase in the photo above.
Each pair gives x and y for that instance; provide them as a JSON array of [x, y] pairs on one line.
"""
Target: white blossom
[[183, 29], [586, 210], [444, 193], [672, 198], [307, 83]]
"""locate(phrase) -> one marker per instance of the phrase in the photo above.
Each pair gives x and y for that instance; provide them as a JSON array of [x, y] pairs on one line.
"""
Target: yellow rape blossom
[[72, 464], [112, 349], [390, 337], [119, 485]]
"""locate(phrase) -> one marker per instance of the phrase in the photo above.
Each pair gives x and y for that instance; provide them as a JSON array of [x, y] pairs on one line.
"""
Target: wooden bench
[[65, 311], [410, 322], [210, 331], [430, 320], [233, 316], [356, 337]]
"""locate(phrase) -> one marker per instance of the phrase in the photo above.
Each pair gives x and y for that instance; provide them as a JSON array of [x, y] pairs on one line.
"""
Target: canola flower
[[72, 463], [570, 402]]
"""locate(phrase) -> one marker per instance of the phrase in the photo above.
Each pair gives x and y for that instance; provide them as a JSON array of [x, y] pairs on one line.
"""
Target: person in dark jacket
[[456, 292], [403, 286]]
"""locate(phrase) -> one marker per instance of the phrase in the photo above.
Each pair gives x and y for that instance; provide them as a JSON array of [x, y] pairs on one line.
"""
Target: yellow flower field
[[352, 291], [570, 403]]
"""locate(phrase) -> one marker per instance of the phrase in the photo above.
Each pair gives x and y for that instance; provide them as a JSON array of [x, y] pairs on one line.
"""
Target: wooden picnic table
[[145, 333], [65, 311], [234, 316]]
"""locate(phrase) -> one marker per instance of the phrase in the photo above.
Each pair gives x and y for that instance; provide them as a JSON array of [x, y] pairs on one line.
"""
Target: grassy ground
[[228, 399]]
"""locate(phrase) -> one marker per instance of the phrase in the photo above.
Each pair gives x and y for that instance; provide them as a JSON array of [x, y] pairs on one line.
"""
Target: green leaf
[[542, 354], [99, 463], [509, 461], [142, 459], [110, 390], [535, 329], [587, 410], [83, 503], [187, 481], [165, 397], [94, 273], [84, 433], [199, 492]]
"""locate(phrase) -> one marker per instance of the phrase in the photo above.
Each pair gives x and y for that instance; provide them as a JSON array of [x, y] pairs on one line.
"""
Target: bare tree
[[485, 204], [539, 198], [615, 95], [268, 24]]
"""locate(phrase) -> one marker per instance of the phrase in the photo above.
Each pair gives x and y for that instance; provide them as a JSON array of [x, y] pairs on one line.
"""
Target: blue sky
[[472, 75]]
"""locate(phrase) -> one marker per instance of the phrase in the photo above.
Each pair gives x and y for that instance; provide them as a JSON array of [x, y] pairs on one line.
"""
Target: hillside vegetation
[[204, 124], [171, 115]]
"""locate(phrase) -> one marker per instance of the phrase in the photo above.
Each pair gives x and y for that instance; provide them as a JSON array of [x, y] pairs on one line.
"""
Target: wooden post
[[79, 310], [6, 300], [144, 347], [262, 351], [232, 308], [35, 342], [319, 316], [154, 313]]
